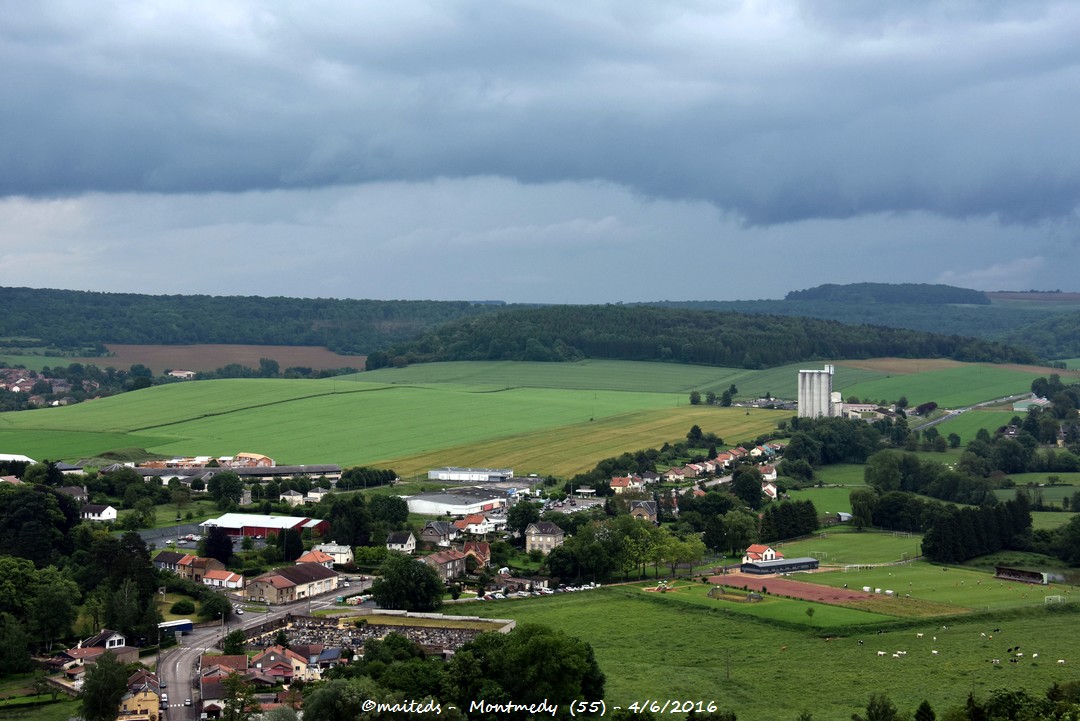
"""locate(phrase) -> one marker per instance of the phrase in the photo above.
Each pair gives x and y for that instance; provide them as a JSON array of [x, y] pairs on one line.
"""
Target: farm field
[[575, 448], [782, 382], [723, 657], [967, 424], [948, 387], [354, 423]]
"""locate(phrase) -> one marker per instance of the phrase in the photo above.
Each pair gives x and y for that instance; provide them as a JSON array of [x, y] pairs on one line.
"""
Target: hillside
[[649, 333], [76, 319], [913, 293]]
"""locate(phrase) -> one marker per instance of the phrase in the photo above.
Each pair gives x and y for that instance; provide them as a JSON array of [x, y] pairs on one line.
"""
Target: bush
[[183, 607]]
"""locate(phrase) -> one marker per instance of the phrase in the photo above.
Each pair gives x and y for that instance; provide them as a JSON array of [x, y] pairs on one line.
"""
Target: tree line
[[73, 319], [647, 333]]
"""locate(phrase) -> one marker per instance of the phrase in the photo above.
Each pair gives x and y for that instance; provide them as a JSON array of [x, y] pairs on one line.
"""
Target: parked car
[[187, 702]]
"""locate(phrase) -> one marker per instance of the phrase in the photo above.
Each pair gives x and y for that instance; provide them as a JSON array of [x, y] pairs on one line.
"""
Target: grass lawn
[[967, 424], [653, 646], [841, 474], [62, 709], [826, 500]]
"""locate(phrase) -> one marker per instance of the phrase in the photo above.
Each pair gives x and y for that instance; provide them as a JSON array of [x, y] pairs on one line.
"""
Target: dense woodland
[[74, 319], [645, 333], [916, 293], [80, 323]]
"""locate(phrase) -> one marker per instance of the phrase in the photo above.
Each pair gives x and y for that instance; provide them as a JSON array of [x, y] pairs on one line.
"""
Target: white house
[[292, 498], [403, 541], [759, 552], [340, 554], [96, 512]]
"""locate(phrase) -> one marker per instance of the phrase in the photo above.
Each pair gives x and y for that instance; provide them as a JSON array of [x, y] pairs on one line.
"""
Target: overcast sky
[[538, 151]]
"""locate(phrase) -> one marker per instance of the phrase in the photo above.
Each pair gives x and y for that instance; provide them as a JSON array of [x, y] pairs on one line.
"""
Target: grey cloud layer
[[774, 111]]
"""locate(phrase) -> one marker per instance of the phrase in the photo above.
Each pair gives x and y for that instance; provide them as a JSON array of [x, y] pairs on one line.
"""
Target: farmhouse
[[471, 475], [251, 524], [223, 579], [456, 502]]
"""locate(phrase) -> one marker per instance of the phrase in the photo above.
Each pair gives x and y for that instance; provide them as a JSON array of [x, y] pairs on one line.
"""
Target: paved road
[[177, 666], [957, 411]]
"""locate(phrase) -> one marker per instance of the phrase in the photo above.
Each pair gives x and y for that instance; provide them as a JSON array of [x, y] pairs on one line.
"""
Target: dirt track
[[795, 589]]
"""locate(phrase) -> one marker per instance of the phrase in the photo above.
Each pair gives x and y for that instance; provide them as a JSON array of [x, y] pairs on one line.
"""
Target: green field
[[829, 500], [967, 424], [781, 382], [723, 655], [973, 590], [545, 430], [1072, 363], [846, 545], [948, 387]]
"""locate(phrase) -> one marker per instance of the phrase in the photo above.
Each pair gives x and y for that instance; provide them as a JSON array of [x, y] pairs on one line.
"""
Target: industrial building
[[250, 524], [816, 397], [471, 475], [457, 501]]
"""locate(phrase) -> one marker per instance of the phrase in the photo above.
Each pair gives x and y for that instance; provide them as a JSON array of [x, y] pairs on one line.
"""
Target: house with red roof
[[314, 556], [449, 563], [760, 552], [223, 579]]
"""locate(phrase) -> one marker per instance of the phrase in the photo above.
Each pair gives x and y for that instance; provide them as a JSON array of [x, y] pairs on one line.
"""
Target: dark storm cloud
[[777, 112]]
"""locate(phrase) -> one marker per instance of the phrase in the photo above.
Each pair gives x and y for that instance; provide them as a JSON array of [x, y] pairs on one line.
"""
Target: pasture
[[643, 645], [948, 387], [841, 474], [971, 589]]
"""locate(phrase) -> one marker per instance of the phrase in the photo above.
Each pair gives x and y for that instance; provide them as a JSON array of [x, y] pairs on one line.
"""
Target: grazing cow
[[896, 655], [1061, 662], [934, 652], [1034, 655], [860, 642], [918, 635], [995, 661], [882, 653]]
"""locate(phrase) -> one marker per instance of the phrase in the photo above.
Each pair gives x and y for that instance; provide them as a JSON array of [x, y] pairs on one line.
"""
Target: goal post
[[820, 554]]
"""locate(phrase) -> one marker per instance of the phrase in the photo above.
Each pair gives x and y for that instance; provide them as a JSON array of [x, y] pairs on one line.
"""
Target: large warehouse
[[471, 475], [456, 501], [251, 524]]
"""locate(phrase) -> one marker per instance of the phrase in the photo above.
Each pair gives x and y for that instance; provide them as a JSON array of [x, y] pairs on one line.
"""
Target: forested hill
[[70, 319], [650, 333], [1055, 337], [914, 293]]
